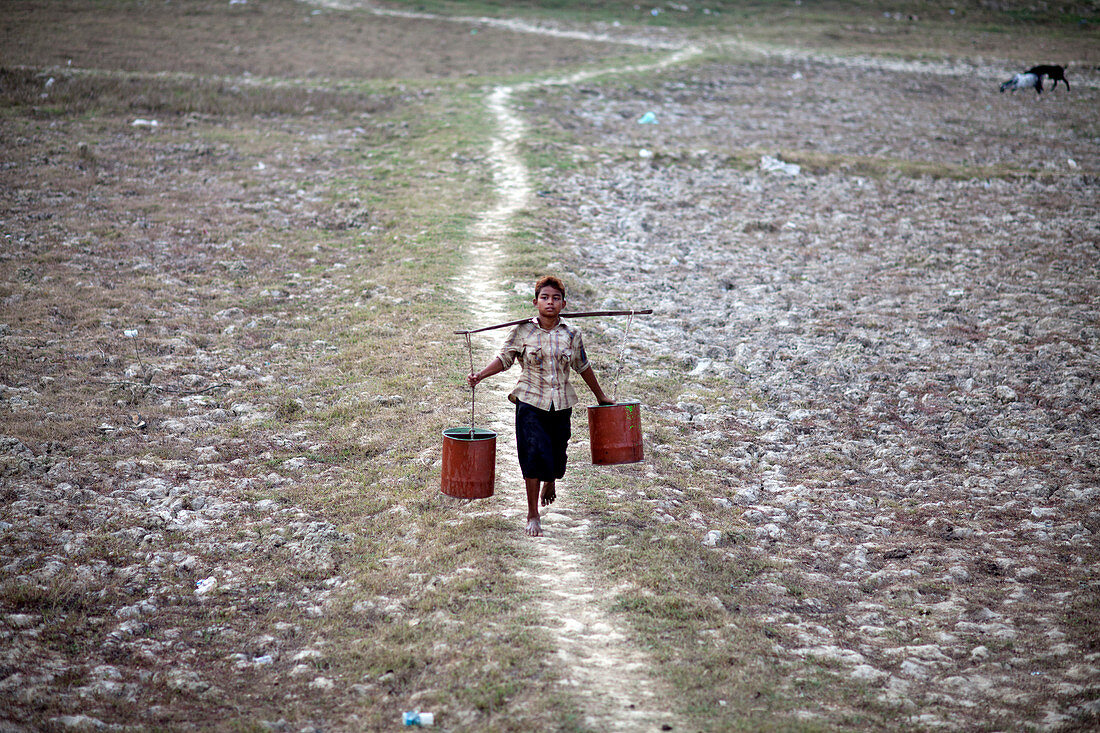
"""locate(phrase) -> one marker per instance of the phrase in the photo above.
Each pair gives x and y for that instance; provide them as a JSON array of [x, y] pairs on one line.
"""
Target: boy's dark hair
[[552, 282]]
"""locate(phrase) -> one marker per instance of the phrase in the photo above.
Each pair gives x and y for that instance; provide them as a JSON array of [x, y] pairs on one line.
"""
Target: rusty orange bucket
[[469, 463], [615, 433]]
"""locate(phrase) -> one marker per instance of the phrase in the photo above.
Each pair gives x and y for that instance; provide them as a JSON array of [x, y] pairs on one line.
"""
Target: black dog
[[1056, 74]]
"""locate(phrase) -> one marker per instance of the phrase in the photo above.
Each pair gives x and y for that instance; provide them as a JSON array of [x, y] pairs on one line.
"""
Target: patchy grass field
[[230, 238]]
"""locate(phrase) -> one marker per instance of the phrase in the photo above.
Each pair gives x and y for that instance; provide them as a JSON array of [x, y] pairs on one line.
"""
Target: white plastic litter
[[206, 585], [144, 123], [775, 165]]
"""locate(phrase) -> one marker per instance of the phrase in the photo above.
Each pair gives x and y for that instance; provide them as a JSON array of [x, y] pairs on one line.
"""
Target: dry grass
[[933, 29], [282, 38], [317, 287], [301, 286]]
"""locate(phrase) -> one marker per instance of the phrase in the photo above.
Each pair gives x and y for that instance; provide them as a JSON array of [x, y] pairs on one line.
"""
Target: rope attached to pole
[[619, 365], [473, 389]]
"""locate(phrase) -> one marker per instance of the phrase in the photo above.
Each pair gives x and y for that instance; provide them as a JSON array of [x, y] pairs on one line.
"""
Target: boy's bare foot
[[549, 493], [534, 528]]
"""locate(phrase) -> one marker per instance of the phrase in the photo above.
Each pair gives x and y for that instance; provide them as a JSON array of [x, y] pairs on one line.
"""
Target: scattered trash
[[50, 82], [419, 719], [130, 333], [144, 123], [107, 428], [648, 119], [775, 165], [1071, 162], [643, 153], [206, 585], [796, 75], [137, 422], [263, 659], [655, 12]]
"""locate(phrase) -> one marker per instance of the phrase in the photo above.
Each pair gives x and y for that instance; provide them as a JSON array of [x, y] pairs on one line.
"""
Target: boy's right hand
[[472, 380]]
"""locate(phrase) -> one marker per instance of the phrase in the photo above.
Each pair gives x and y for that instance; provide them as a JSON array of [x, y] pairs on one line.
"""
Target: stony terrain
[[873, 378], [895, 376]]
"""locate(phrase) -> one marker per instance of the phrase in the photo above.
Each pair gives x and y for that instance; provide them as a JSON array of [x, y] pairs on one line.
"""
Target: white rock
[[747, 496], [306, 655], [867, 673], [1028, 573], [832, 653], [914, 668], [959, 573], [79, 723]]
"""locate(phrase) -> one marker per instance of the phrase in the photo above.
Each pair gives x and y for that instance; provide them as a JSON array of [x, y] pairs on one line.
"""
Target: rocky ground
[[213, 339], [895, 375]]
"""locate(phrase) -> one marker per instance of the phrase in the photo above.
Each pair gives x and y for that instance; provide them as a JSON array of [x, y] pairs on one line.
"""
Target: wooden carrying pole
[[587, 314]]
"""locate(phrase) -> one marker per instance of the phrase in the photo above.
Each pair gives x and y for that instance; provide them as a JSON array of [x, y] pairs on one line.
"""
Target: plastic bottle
[[418, 718]]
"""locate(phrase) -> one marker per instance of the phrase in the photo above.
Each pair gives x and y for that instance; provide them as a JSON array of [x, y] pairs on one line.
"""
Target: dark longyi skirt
[[542, 438]]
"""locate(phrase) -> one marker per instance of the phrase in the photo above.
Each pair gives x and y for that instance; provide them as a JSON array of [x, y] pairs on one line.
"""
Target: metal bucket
[[615, 433], [469, 463]]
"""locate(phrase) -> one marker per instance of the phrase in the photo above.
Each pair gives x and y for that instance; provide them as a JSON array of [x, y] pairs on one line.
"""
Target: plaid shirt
[[546, 357]]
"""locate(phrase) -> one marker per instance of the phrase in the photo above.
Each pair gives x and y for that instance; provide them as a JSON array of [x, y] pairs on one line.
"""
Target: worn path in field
[[609, 675], [611, 678]]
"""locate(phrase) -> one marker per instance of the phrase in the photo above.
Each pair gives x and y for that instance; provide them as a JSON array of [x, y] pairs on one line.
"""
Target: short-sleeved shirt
[[546, 358]]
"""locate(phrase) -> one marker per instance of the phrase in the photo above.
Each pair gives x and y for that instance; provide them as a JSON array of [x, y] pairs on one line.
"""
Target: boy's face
[[549, 302]]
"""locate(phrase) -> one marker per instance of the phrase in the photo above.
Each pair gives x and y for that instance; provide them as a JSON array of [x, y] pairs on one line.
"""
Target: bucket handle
[[473, 390], [619, 364]]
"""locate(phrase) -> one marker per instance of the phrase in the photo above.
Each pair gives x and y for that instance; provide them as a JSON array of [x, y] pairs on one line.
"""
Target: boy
[[547, 349]]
